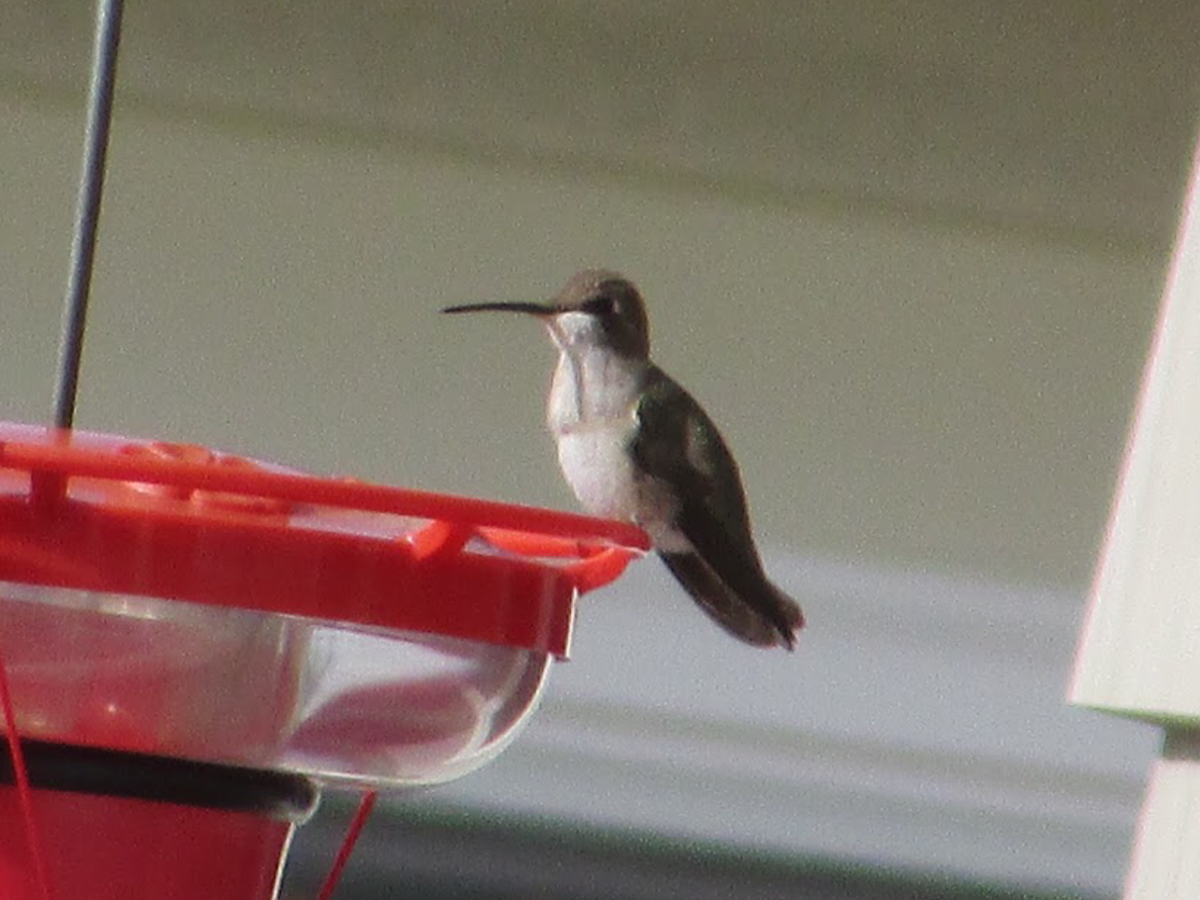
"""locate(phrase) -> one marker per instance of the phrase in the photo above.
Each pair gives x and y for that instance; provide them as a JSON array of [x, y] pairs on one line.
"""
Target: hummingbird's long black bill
[[533, 309]]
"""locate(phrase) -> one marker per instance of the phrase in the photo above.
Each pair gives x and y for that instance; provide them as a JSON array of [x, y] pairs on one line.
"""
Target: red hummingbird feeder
[[193, 644]]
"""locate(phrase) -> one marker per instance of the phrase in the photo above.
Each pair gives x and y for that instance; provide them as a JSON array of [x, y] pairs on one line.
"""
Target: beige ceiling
[[1070, 116]]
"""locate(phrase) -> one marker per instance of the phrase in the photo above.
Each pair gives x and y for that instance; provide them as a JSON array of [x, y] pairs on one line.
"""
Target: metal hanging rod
[[87, 216]]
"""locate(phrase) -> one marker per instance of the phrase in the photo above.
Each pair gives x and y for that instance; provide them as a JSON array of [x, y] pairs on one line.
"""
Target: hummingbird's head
[[596, 308], [601, 308]]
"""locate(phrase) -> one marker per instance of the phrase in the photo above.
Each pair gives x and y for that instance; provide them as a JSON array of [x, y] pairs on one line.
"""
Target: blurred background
[[908, 256]]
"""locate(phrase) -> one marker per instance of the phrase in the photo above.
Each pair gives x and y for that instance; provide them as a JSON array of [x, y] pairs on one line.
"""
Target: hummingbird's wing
[[724, 574]]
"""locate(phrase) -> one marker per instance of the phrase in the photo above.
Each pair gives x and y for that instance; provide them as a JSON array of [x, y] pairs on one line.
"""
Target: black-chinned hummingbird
[[634, 445]]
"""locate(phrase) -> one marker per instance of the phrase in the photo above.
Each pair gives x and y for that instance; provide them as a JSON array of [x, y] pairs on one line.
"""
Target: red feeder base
[[100, 848], [130, 827]]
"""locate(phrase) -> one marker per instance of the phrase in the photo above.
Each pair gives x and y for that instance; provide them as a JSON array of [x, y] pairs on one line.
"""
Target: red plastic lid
[[113, 514]]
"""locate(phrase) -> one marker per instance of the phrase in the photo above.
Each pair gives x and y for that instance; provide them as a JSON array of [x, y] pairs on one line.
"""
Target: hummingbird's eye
[[600, 305]]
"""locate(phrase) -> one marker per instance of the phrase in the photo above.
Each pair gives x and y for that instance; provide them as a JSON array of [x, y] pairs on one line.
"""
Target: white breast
[[599, 470], [591, 414]]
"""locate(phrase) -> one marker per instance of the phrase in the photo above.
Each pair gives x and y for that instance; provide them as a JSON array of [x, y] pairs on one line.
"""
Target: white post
[[1140, 652]]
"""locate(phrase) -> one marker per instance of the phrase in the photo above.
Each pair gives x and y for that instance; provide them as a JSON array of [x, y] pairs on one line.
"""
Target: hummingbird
[[634, 445]]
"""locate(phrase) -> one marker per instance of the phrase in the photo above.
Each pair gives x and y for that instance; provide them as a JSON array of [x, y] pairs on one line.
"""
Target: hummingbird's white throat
[[572, 330]]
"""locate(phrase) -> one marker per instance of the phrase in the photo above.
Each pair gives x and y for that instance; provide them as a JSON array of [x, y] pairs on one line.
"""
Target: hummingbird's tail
[[761, 615]]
